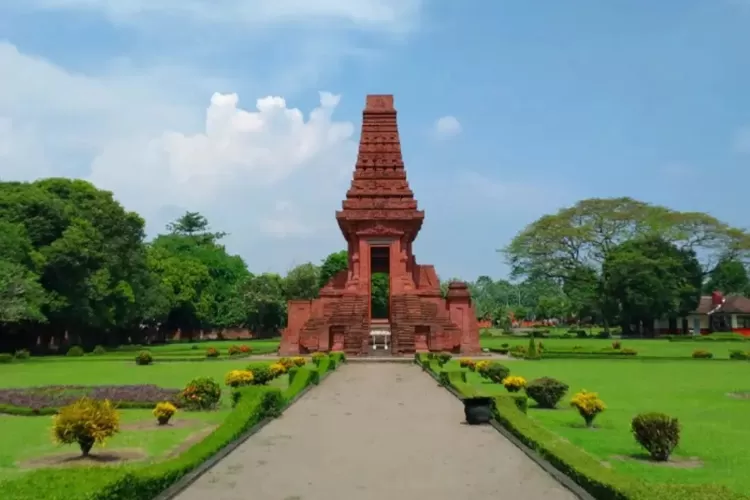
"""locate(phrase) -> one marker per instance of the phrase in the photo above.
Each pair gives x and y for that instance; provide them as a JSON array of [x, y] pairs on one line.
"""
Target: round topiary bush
[[262, 374], [5, 358], [702, 354], [496, 372], [87, 421], [238, 378], [317, 357], [144, 358], [202, 393], [234, 350], [212, 352], [99, 350], [546, 391], [75, 351], [658, 433]]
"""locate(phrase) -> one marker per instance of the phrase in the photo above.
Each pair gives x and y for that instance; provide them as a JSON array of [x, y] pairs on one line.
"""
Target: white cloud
[[247, 160], [447, 126], [270, 175], [742, 141], [375, 14]]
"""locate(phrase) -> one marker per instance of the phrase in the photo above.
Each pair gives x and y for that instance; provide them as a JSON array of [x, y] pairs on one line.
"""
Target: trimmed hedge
[[254, 404], [586, 470]]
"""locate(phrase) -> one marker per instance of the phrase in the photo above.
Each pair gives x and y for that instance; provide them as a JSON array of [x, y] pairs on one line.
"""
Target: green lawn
[[715, 428], [30, 437], [645, 348]]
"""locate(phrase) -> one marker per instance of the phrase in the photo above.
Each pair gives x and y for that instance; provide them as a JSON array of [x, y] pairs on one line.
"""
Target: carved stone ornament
[[380, 230]]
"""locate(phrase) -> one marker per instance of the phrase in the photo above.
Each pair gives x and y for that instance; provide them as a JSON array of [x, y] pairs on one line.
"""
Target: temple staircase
[[409, 312]]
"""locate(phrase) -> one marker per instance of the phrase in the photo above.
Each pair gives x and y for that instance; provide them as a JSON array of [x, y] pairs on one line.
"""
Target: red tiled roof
[[733, 304]]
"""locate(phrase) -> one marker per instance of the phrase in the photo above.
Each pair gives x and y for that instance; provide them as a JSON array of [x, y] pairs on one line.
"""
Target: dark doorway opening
[[380, 282]]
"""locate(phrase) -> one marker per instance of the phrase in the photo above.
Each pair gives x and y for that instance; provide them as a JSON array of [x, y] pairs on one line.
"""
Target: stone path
[[376, 432]]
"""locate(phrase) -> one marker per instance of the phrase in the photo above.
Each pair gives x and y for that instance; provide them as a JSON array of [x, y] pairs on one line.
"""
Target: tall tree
[[650, 278], [729, 276]]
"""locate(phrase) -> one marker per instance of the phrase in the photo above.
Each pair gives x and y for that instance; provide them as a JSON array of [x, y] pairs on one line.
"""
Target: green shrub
[[546, 391], [702, 354], [194, 347], [443, 378], [234, 350], [505, 345], [443, 358], [262, 374], [339, 357], [5, 358], [517, 351], [22, 354], [99, 350], [737, 354], [532, 352], [202, 393], [430, 356], [496, 372], [75, 351], [317, 357], [212, 352], [658, 433], [616, 344], [603, 335], [144, 358]]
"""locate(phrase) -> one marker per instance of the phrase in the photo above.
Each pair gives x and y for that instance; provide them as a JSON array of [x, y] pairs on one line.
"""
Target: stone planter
[[478, 410]]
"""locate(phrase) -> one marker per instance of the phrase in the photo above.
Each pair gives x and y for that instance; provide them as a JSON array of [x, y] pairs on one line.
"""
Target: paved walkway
[[376, 432]]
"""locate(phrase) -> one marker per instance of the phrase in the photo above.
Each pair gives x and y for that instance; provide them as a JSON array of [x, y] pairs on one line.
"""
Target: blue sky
[[551, 102]]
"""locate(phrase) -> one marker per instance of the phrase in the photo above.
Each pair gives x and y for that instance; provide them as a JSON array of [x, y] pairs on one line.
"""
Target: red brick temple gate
[[380, 221]]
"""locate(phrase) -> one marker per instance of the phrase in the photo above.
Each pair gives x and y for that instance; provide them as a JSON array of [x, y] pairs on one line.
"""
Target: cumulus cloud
[[243, 159], [447, 126], [268, 173]]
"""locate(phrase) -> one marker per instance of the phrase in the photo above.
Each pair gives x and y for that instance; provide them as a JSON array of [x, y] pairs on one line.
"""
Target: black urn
[[478, 410]]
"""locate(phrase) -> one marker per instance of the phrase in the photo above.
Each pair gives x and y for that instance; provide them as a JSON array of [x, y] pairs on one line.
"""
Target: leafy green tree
[[729, 276], [302, 282], [332, 265], [264, 298], [380, 286], [651, 278]]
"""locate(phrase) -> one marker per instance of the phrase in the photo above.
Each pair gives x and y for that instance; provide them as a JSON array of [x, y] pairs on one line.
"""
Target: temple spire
[[380, 190]]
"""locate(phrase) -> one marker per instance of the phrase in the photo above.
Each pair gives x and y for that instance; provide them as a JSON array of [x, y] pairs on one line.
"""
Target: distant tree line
[[74, 261], [624, 262]]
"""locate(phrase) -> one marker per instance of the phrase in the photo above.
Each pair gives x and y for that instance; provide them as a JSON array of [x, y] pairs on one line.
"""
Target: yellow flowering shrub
[[87, 421], [299, 361], [514, 383], [467, 363], [277, 370], [238, 378], [588, 405], [482, 366], [164, 411], [286, 363]]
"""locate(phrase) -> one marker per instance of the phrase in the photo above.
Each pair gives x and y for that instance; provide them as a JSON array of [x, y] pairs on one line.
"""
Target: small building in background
[[715, 313]]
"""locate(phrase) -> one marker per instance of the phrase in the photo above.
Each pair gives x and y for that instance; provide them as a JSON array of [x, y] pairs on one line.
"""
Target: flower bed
[[255, 404], [46, 399]]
